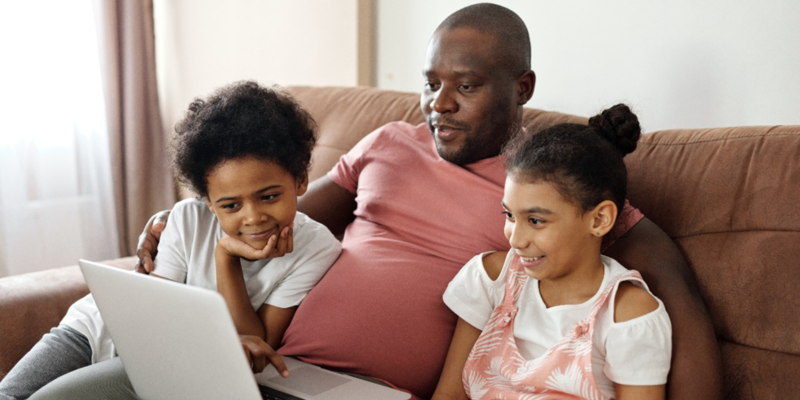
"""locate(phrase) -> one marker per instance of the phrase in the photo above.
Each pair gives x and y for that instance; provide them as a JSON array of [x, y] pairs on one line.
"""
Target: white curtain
[[56, 200]]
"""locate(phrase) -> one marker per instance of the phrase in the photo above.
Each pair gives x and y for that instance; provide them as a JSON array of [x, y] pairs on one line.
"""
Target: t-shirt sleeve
[[627, 218], [638, 351], [472, 295], [171, 261], [346, 172], [315, 250]]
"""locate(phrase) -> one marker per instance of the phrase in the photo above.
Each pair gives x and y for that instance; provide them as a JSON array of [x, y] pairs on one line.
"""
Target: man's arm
[[696, 371], [329, 204]]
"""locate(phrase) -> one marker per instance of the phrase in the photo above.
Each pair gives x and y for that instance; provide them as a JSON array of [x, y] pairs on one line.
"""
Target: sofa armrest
[[31, 304]]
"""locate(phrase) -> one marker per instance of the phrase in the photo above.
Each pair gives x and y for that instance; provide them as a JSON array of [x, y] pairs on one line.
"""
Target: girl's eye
[[508, 215], [536, 221], [230, 206]]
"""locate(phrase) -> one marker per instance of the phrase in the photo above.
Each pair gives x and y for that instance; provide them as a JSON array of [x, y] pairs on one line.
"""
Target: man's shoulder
[[400, 130]]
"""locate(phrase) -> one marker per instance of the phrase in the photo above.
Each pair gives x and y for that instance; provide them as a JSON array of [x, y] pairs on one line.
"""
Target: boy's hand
[[277, 246], [260, 354]]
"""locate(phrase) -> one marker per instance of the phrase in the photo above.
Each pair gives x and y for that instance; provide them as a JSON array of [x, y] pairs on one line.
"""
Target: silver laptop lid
[[162, 329]]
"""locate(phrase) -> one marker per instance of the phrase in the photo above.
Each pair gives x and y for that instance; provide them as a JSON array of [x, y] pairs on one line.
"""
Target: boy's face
[[253, 199]]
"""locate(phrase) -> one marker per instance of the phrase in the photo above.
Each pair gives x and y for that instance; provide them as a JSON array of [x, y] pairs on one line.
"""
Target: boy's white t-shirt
[[634, 352], [186, 254]]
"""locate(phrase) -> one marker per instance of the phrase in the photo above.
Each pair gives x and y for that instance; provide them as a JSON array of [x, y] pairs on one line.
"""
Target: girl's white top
[[634, 352]]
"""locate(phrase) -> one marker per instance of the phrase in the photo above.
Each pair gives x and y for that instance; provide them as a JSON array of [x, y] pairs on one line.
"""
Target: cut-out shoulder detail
[[493, 264], [632, 302]]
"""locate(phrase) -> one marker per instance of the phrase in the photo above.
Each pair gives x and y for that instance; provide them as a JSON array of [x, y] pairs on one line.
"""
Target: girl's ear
[[208, 204], [604, 215], [302, 185]]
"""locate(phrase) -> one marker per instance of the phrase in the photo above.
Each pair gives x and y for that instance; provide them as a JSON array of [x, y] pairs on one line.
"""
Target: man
[[415, 203]]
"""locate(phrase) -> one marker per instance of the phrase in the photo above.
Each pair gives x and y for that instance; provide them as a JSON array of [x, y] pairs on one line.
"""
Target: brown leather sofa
[[729, 198]]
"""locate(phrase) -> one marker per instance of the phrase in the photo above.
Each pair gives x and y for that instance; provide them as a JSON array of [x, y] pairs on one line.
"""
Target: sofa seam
[[758, 348], [655, 143], [736, 231]]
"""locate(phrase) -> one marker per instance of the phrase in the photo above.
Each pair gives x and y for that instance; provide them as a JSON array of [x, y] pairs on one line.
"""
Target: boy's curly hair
[[240, 120]]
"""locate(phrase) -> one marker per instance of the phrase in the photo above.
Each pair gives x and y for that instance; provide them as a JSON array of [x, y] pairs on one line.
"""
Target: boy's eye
[[508, 215], [230, 206], [268, 197]]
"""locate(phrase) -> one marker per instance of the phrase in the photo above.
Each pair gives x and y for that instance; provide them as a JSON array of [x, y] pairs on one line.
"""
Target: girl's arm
[[627, 392], [633, 302], [450, 386]]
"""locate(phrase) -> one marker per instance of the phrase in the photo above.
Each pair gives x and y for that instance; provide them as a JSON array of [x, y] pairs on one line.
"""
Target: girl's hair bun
[[620, 126]]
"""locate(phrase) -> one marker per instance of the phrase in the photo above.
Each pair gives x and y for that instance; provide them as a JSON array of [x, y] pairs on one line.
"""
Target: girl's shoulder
[[493, 263], [632, 301]]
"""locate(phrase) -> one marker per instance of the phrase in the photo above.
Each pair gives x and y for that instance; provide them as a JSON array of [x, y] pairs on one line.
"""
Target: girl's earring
[[597, 233]]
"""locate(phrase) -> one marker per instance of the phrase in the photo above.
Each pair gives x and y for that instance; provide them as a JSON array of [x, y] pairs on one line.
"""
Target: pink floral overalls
[[496, 370]]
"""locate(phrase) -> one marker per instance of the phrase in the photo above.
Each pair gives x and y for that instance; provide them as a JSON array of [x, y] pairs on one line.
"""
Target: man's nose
[[444, 101]]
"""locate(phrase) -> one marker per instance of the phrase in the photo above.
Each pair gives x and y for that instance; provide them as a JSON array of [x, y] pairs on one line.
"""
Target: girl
[[558, 319], [245, 150]]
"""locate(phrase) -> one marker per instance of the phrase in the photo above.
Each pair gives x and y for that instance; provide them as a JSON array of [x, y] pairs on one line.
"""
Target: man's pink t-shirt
[[379, 311]]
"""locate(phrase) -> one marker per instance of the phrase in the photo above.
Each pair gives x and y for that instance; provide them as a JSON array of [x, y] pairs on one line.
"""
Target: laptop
[[179, 342]]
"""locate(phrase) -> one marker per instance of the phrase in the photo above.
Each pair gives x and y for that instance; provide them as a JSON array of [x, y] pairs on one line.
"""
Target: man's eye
[[468, 88], [432, 85]]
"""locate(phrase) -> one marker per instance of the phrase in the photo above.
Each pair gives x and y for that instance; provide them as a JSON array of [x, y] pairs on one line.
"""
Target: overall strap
[[627, 276], [515, 281]]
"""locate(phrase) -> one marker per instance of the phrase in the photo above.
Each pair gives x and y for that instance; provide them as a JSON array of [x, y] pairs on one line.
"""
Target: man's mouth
[[447, 131]]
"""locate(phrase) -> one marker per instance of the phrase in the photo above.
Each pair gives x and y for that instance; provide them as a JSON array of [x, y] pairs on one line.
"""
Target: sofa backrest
[[728, 197]]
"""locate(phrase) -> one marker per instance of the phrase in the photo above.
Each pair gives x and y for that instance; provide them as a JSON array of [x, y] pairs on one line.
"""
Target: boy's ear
[[603, 217], [208, 204], [302, 185]]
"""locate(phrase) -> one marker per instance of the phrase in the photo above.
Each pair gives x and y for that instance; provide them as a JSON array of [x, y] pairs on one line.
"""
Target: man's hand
[[147, 248], [260, 354], [277, 246]]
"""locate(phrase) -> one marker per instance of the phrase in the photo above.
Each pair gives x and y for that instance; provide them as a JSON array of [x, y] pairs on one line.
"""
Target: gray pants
[[61, 360], [59, 352], [104, 380]]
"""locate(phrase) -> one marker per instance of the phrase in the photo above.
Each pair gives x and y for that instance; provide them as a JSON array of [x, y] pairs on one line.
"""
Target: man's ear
[[525, 85], [302, 185], [603, 217], [208, 204]]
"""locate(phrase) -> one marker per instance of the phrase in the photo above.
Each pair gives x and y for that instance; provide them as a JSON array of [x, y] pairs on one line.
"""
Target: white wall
[[680, 63], [204, 44]]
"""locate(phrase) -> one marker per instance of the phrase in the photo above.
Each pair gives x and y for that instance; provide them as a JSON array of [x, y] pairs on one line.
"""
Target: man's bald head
[[508, 29]]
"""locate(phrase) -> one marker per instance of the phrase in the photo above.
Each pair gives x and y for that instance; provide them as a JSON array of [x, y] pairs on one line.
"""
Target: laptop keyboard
[[268, 393]]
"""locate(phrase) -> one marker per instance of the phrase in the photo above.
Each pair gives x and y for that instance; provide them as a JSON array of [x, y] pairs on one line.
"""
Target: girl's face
[[253, 199], [552, 237]]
